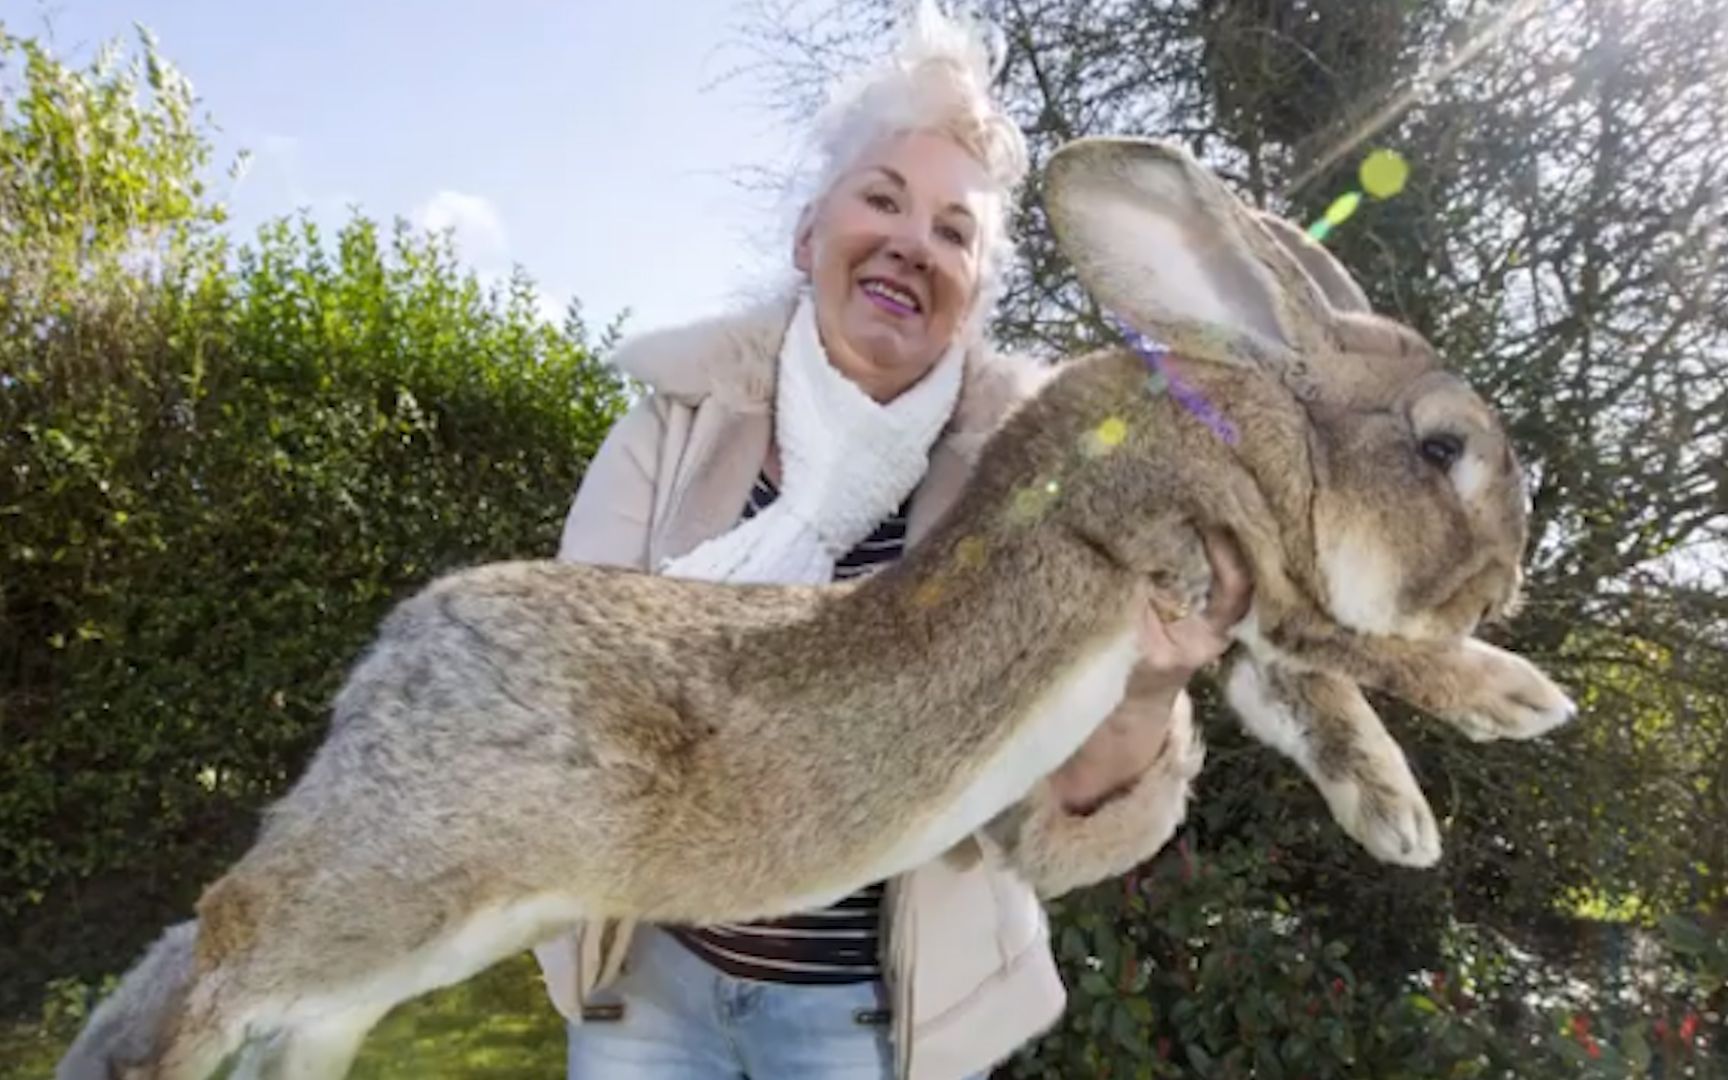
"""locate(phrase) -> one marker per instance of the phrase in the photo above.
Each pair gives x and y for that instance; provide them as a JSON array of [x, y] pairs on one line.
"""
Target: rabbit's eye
[[1441, 450]]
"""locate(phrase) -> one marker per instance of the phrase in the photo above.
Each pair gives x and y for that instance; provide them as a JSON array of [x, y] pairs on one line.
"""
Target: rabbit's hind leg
[[308, 954], [318, 1036], [212, 1024], [314, 1050], [1323, 723]]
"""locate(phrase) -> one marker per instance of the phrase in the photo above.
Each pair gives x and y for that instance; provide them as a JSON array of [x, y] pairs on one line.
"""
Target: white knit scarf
[[846, 462]]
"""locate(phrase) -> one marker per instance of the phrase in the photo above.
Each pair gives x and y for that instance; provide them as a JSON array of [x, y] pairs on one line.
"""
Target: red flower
[[1337, 987], [1581, 1027], [1591, 1048], [1661, 1028], [1689, 1027]]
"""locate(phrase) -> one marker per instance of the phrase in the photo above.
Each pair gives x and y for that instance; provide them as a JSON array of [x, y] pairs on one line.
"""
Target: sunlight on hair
[[937, 79]]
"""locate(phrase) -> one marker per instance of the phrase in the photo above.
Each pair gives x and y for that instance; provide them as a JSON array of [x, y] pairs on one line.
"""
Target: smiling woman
[[812, 440], [892, 253]]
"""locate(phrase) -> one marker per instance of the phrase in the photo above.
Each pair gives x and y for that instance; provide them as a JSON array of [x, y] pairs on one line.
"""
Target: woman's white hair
[[936, 80]]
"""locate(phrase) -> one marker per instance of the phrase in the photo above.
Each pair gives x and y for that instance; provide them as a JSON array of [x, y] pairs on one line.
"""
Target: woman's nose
[[909, 247]]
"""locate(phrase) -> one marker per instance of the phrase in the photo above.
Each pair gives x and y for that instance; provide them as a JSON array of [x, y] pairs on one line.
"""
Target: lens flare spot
[[1342, 207], [928, 595], [1384, 173], [1105, 438], [969, 553], [1029, 504]]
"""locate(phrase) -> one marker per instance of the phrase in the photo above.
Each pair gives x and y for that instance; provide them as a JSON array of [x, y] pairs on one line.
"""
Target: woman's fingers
[[1232, 582], [1179, 647]]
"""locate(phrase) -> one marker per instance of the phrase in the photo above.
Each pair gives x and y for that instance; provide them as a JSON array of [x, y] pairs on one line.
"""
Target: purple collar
[[1163, 379]]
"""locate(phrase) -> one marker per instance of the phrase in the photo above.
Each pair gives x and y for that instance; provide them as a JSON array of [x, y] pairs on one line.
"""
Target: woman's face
[[892, 252]]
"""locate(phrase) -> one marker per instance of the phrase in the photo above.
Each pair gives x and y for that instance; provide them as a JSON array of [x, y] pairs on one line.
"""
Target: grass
[[497, 1025]]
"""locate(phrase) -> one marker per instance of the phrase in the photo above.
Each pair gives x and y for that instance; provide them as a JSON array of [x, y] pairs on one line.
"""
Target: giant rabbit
[[531, 744]]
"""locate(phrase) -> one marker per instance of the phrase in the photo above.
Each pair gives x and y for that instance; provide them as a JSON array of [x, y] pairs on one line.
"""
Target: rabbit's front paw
[[1325, 725], [1507, 697], [1378, 802]]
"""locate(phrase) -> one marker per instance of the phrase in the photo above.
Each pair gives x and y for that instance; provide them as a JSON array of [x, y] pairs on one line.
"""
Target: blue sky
[[584, 139]]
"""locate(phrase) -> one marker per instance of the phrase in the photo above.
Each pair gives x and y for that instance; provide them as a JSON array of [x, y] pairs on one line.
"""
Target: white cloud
[[476, 223]]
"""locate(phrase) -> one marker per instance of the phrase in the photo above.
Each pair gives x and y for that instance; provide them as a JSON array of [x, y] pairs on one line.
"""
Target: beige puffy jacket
[[967, 954]]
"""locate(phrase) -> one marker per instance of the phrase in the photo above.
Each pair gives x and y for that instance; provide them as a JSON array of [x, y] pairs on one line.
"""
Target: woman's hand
[[1133, 737]]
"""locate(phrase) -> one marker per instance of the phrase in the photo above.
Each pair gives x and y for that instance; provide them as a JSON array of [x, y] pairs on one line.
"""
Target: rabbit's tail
[[129, 1033]]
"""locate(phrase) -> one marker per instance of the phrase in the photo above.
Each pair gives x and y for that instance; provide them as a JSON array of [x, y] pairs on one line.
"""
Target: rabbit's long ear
[[1159, 241], [1340, 289], [1372, 359]]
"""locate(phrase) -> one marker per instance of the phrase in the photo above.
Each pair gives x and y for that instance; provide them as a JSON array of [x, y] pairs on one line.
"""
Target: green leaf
[[1073, 943], [1634, 1047], [1685, 935], [1266, 1063], [1129, 1035]]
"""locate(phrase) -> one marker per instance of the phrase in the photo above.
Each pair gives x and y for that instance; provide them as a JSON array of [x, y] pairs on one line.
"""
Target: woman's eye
[[881, 202], [952, 235]]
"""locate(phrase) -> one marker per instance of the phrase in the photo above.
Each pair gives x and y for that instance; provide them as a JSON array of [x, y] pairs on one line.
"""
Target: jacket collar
[[732, 359]]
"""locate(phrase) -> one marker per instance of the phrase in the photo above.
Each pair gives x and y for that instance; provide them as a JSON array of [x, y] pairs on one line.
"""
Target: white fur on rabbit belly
[[1062, 718]]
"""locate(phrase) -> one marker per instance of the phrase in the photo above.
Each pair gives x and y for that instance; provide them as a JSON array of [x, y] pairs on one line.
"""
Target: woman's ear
[[801, 239]]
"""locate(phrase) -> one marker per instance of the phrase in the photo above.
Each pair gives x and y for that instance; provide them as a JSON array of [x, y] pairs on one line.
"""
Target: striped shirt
[[837, 944]]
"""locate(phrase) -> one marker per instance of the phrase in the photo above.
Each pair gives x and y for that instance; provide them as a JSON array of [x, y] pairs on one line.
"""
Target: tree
[[1562, 241]]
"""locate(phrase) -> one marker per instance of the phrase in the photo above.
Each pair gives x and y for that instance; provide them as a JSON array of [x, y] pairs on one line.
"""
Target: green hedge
[[198, 540], [1227, 959]]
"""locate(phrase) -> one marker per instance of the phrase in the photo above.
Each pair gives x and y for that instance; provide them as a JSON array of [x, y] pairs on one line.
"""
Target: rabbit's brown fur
[[530, 744]]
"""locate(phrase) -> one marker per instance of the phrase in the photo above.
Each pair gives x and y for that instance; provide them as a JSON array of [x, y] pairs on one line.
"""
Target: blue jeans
[[678, 1018]]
